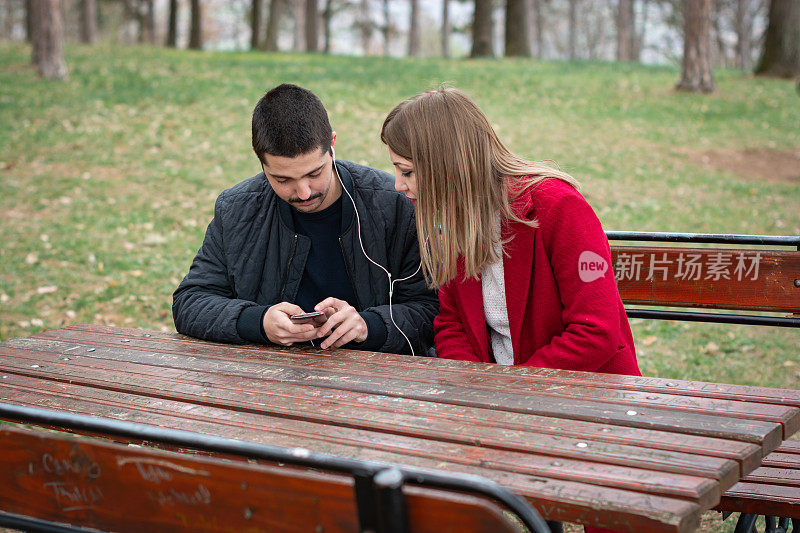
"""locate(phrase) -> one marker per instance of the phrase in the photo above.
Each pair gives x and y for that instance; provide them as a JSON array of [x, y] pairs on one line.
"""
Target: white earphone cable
[[386, 271]]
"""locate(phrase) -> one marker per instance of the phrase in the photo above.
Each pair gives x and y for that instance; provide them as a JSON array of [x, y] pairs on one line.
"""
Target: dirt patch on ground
[[772, 165]]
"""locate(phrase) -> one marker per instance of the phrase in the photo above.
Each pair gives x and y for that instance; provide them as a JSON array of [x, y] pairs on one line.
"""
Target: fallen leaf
[[789, 363], [31, 258], [154, 238], [47, 289], [711, 347], [38, 322], [647, 341]]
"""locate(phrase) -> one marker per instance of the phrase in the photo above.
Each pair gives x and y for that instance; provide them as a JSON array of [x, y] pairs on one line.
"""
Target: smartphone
[[316, 317]]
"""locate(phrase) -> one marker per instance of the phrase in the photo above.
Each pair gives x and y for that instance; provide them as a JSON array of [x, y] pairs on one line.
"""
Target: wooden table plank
[[703, 389], [556, 499], [787, 416], [289, 417], [768, 434]]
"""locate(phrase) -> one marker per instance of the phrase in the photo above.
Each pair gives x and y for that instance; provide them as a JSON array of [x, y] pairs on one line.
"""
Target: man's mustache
[[312, 197]]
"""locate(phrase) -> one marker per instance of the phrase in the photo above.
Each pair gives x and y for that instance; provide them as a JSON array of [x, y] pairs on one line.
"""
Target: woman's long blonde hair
[[465, 177]]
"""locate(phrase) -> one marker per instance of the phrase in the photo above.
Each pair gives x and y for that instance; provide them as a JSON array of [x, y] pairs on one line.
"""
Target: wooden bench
[[750, 273], [52, 481]]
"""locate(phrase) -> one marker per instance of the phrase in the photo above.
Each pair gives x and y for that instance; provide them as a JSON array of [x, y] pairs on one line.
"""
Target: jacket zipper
[[289, 264], [349, 275]]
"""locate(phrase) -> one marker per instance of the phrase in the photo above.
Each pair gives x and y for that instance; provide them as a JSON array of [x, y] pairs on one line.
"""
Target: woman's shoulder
[[552, 190], [540, 198]]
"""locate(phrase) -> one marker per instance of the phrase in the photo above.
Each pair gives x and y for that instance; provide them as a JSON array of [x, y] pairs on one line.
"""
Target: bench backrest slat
[[91, 483], [714, 278]]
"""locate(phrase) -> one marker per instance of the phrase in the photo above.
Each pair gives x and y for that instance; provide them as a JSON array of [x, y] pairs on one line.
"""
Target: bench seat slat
[[762, 499], [775, 476], [790, 446], [782, 460]]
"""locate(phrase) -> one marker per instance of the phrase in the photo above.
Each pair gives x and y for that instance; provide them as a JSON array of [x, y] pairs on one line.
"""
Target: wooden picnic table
[[620, 452]]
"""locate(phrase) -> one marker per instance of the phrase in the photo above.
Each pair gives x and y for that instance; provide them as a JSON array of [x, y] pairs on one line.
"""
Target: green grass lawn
[[107, 180]]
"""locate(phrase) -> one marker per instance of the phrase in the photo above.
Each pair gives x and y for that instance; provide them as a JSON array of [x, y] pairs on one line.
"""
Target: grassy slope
[[107, 181]]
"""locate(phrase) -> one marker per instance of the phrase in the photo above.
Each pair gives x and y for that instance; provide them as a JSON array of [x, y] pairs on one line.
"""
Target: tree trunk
[[445, 28], [149, 22], [298, 35], [780, 56], [742, 36], [327, 15], [255, 23], [172, 24], [32, 23], [482, 29], [8, 21], [89, 21], [387, 28], [48, 23], [365, 24], [573, 27], [29, 21], [696, 75], [722, 48], [539, 25], [312, 28], [413, 29], [196, 28], [638, 34], [625, 30], [273, 24], [518, 41]]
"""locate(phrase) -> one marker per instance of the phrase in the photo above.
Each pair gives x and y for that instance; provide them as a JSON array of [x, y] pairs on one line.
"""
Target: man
[[289, 241]]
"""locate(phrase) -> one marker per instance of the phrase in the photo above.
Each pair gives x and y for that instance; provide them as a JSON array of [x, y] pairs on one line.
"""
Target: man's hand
[[281, 330], [344, 323]]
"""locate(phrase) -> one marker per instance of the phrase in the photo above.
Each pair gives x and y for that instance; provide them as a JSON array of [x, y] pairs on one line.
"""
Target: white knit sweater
[[494, 307]]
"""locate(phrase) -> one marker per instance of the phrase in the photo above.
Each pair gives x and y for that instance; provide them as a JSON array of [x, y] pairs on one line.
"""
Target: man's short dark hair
[[290, 121]]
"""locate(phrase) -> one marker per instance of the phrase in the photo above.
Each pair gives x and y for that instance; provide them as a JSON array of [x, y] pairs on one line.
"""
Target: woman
[[521, 260]]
